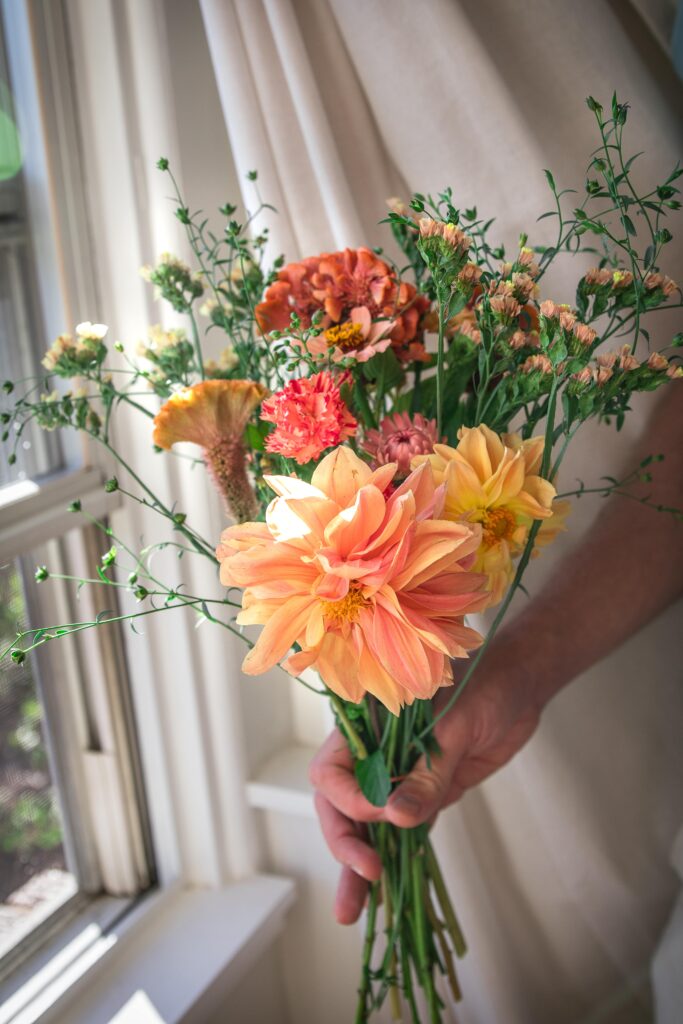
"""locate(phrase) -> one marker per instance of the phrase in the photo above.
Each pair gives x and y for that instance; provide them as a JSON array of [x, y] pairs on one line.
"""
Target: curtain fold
[[560, 864], [277, 113]]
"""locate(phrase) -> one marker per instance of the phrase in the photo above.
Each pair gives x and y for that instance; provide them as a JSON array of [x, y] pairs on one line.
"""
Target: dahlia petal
[[292, 487], [297, 663], [279, 633], [538, 496], [243, 537], [473, 448], [507, 481], [420, 483], [340, 476], [398, 518], [382, 476], [339, 668], [463, 489], [398, 648], [380, 684], [332, 588], [351, 526], [314, 513], [436, 546], [315, 629]]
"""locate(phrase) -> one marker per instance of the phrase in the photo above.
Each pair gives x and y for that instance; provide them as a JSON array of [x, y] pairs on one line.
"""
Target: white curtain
[[561, 863]]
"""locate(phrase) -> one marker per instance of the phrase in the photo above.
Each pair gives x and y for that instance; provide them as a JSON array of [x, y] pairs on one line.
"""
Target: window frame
[[95, 762], [187, 690]]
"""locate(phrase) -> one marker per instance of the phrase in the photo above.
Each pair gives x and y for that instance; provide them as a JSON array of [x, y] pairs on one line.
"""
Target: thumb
[[424, 791]]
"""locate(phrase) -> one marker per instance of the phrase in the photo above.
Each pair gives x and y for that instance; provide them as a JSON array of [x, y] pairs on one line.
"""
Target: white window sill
[[31, 510], [281, 784], [157, 963]]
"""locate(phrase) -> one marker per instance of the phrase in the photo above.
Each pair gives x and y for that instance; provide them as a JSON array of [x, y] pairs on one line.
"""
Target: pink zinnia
[[400, 438], [310, 415]]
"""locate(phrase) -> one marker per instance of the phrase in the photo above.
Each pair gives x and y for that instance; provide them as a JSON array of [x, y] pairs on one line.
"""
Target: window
[[72, 822]]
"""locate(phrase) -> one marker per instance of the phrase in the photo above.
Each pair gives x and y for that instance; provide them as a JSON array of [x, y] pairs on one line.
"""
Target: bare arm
[[627, 569]]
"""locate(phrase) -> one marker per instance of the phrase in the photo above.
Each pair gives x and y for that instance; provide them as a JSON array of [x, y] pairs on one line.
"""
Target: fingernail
[[406, 803]]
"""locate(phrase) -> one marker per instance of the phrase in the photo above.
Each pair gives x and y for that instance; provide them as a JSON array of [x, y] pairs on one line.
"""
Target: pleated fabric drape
[[561, 864]]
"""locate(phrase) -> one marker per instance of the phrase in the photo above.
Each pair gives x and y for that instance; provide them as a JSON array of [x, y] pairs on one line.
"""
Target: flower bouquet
[[387, 441]]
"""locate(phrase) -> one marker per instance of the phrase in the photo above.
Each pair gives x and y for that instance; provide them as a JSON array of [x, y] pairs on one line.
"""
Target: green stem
[[406, 977], [415, 400], [452, 923], [437, 928], [420, 933], [394, 995], [197, 344], [440, 368], [393, 737], [197, 542], [361, 400], [358, 748], [365, 986]]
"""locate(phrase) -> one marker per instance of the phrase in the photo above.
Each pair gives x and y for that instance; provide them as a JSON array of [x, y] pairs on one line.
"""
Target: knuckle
[[430, 783]]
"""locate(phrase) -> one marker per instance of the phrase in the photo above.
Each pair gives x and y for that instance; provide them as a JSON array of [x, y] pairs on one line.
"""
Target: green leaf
[[549, 178], [373, 778], [630, 227], [384, 366]]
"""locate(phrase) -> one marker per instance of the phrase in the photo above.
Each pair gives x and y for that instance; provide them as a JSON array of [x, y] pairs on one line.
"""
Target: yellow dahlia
[[496, 484]]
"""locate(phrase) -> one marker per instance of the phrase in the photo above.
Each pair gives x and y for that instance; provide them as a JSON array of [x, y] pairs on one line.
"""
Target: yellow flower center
[[498, 524], [348, 609], [346, 336]]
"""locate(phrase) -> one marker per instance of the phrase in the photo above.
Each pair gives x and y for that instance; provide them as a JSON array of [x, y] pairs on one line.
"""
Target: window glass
[[22, 340], [34, 878]]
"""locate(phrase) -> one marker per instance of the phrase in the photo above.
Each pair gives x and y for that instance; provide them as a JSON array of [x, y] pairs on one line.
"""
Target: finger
[[331, 773], [350, 900], [345, 841], [428, 786]]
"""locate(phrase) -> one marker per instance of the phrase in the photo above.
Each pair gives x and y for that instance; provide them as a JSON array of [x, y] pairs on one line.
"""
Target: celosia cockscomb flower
[[494, 484], [310, 415], [372, 589], [214, 415]]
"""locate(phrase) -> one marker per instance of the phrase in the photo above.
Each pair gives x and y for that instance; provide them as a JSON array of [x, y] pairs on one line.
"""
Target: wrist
[[527, 658]]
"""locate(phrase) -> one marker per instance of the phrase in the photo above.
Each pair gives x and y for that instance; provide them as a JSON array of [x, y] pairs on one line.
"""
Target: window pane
[[34, 880], [22, 340]]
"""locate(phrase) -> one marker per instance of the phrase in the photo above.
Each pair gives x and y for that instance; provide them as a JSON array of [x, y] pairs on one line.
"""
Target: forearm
[[627, 569]]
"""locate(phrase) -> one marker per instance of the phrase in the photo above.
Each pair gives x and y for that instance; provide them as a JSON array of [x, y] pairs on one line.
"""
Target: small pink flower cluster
[[607, 363], [568, 321]]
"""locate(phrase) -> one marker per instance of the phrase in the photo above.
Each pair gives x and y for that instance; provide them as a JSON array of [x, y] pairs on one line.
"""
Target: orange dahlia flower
[[214, 415], [338, 282], [495, 484], [372, 589]]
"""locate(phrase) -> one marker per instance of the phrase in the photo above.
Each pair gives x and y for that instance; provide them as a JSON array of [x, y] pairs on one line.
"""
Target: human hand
[[488, 725]]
